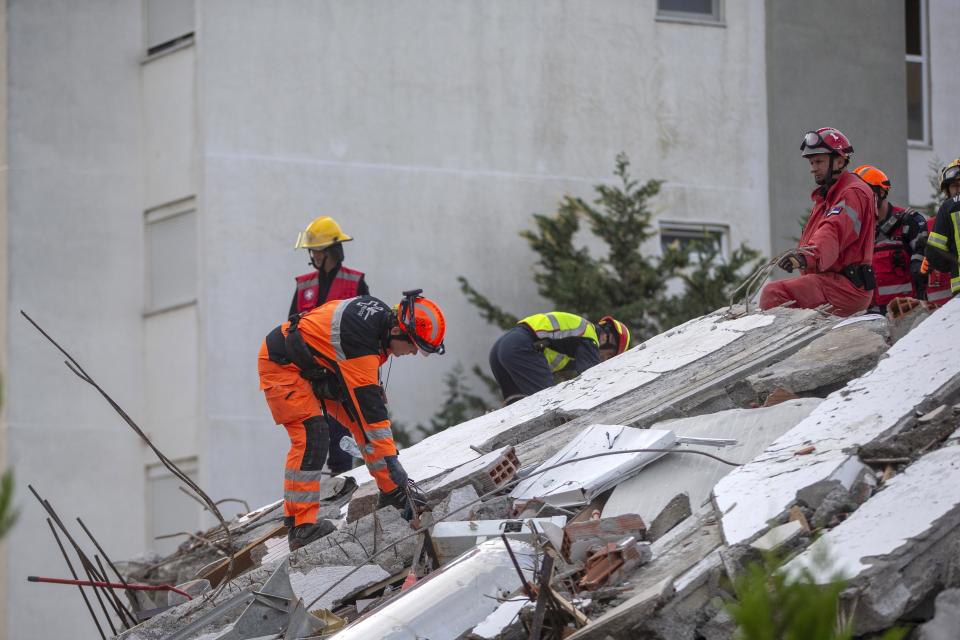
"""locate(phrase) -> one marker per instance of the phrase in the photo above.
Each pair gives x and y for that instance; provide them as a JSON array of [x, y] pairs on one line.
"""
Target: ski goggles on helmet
[[407, 313], [951, 173], [813, 141]]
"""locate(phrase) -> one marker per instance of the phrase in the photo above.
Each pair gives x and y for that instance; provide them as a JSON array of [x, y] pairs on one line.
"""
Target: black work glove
[[793, 260], [396, 471], [398, 499]]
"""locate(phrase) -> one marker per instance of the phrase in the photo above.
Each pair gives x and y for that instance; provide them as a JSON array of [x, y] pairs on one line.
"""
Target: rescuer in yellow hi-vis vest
[[524, 359]]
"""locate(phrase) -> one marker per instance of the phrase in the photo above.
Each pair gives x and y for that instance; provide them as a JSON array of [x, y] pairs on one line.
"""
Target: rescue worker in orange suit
[[901, 236], [836, 247], [943, 245], [330, 280], [327, 362], [524, 359]]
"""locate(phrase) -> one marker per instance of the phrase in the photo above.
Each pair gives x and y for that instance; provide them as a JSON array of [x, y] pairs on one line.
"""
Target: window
[[169, 23], [692, 238], [708, 10], [171, 255], [918, 86], [170, 510]]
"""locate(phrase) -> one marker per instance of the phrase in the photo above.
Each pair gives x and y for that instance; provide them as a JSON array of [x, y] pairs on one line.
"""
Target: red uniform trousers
[[815, 289]]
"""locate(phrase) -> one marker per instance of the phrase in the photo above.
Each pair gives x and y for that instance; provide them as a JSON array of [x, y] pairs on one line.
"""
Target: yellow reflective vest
[[559, 325], [945, 239]]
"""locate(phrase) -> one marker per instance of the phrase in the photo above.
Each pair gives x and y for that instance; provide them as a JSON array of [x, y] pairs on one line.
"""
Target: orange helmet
[[877, 179], [619, 329], [422, 320]]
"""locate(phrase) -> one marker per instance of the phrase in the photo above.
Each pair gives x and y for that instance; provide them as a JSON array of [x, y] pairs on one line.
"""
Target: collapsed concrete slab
[[915, 374], [577, 483], [733, 346], [899, 545], [822, 366], [651, 492]]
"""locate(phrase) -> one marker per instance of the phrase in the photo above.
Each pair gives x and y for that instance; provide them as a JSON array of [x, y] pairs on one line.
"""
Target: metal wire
[[755, 280], [508, 486]]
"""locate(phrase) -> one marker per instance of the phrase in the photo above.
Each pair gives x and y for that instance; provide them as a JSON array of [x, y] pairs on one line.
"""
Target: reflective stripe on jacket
[[559, 325]]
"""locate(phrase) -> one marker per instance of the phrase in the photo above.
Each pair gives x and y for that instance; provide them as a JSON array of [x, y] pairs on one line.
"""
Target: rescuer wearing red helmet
[[943, 246], [326, 362], [524, 359], [836, 247], [900, 239]]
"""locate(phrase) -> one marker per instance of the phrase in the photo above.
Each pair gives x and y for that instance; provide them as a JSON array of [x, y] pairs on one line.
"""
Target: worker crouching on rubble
[[836, 247], [524, 359], [327, 361]]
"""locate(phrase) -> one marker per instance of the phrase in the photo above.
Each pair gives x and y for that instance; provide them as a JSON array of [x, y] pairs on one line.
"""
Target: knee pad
[[318, 443]]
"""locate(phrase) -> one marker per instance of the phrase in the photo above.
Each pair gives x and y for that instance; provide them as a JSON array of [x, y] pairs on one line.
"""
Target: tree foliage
[[774, 605], [625, 282]]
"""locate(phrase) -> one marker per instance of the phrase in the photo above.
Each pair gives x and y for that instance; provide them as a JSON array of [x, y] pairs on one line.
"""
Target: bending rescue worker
[[327, 362], [836, 247], [524, 359]]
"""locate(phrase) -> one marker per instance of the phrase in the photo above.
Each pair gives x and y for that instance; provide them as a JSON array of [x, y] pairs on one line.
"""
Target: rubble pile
[[618, 504]]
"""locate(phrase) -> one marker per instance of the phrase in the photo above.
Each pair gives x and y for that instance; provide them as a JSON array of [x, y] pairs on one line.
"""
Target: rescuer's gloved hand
[[792, 260], [396, 471], [398, 499]]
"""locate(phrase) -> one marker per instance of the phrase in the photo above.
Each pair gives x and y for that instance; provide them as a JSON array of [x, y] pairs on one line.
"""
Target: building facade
[[162, 156]]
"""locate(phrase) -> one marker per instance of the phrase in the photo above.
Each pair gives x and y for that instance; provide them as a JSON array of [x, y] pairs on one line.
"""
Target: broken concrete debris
[[453, 600], [877, 404], [579, 482], [669, 488], [899, 545], [643, 542]]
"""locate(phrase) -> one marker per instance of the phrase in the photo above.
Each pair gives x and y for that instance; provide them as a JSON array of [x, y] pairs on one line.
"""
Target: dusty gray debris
[[946, 620], [675, 512], [349, 546], [496, 508], [904, 324], [778, 536], [834, 504], [459, 498], [193, 587], [736, 557], [720, 627], [824, 365], [927, 431], [899, 546]]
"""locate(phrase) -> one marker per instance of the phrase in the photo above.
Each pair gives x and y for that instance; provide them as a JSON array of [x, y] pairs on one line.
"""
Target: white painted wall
[[432, 130], [74, 256], [944, 25]]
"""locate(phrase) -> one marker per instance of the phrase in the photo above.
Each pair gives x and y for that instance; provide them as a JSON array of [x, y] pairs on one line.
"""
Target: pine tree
[[625, 283]]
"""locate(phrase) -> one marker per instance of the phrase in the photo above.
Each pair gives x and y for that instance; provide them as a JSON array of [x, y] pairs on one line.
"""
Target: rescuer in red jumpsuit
[[836, 248]]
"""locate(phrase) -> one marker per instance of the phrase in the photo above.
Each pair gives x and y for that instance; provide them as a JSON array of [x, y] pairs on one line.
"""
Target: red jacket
[[841, 226], [345, 285]]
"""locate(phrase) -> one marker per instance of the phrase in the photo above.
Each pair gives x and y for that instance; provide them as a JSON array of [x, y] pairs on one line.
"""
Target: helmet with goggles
[[949, 174], [422, 322], [826, 140]]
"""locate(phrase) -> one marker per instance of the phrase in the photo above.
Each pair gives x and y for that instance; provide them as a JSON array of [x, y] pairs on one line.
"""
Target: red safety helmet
[[422, 320], [877, 179], [826, 140], [620, 330]]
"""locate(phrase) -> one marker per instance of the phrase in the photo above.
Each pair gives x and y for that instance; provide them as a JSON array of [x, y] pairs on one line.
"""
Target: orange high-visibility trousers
[[293, 405]]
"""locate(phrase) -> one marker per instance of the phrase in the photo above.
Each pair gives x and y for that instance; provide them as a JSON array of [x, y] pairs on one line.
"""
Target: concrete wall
[[74, 260], [943, 26], [4, 281], [432, 130], [840, 65]]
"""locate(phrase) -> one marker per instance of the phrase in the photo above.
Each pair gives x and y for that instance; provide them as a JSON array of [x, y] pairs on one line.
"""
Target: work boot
[[398, 499], [303, 534]]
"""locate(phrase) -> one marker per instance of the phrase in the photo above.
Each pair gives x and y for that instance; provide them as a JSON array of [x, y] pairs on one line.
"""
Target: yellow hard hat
[[321, 233]]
